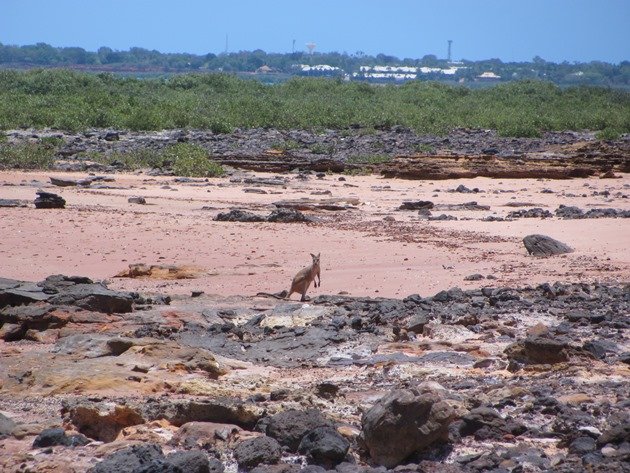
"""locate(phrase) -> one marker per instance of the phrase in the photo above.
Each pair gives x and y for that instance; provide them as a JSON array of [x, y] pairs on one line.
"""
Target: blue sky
[[511, 30]]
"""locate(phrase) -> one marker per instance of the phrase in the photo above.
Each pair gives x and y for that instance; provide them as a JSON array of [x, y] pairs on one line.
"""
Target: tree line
[[144, 60]]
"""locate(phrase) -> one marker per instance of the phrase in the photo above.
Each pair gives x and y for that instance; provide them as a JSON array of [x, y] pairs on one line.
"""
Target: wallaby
[[301, 281]]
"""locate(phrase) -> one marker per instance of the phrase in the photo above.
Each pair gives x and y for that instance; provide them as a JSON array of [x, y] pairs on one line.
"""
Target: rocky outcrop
[[404, 422], [542, 245], [464, 153], [415, 384]]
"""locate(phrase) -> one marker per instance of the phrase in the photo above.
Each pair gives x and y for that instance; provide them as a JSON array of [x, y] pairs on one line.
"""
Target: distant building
[[400, 73], [488, 76], [265, 69], [319, 70]]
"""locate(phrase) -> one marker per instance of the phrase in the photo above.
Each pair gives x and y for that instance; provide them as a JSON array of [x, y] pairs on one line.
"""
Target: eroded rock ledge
[[395, 152]]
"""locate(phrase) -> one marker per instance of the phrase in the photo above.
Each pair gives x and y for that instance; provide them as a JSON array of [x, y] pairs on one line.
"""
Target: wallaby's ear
[[313, 255]]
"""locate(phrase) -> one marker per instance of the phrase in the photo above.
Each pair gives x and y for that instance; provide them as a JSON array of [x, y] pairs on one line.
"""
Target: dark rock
[[220, 410], [454, 294], [474, 277], [93, 345], [50, 437], [95, 297], [600, 348], [579, 315], [416, 205], [472, 205], [442, 217], [132, 459], [535, 212], [15, 293], [137, 200], [539, 350], [541, 245], [250, 453], [158, 466], [404, 422], [485, 423], [279, 468], [324, 446], [327, 390], [12, 203], [214, 466], [48, 200], [616, 434], [111, 136], [60, 182], [192, 461], [582, 446], [569, 212], [288, 427], [57, 436], [284, 215], [236, 215], [417, 322], [464, 190], [6, 426]]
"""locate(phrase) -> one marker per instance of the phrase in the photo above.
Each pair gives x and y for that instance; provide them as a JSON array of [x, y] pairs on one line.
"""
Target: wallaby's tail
[[277, 295]]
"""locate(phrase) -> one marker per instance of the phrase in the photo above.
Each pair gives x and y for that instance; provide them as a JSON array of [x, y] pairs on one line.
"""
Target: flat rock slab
[[12, 203], [541, 245]]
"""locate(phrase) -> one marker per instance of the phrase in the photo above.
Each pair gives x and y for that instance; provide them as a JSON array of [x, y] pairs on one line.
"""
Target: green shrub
[[52, 141], [221, 102], [608, 134], [369, 159], [26, 156], [130, 160], [424, 148], [320, 148], [286, 145], [190, 160], [220, 127]]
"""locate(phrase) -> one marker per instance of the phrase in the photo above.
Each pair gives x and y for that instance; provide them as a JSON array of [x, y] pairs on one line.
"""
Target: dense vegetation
[[69, 100], [140, 59]]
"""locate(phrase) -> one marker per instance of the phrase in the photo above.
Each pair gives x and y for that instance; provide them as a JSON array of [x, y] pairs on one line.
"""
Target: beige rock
[[205, 433]]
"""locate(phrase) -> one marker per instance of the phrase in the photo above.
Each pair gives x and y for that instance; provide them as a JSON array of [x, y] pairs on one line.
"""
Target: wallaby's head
[[315, 259]]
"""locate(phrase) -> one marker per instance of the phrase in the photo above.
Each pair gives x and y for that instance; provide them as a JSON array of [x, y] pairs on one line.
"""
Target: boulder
[[541, 245], [324, 446], [416, 205], [95, 297], [404, 422], [539, 349], [290, 426], [6, 426], [236, 215], [195, 433], [101, 421], [57, 436], [192, 461], [284, 215], [252, 452], [135, 459], [48, 200]]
